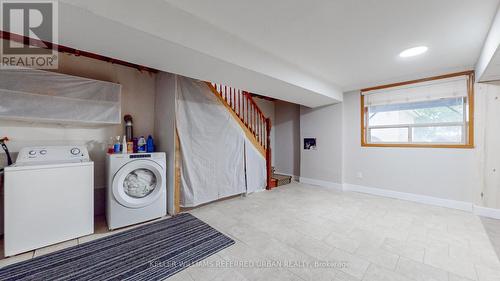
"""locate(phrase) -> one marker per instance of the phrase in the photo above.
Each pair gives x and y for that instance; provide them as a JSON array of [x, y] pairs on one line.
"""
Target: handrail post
[[268, 152]]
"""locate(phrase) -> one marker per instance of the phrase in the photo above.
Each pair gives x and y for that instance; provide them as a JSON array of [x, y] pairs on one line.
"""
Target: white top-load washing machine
[[49, 197], [137, 189]]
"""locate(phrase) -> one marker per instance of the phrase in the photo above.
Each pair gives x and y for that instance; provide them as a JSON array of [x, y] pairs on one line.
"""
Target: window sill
[[411, 145]]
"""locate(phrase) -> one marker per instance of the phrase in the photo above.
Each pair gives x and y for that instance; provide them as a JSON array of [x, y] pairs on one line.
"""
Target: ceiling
[[306, 52], [355, 43]]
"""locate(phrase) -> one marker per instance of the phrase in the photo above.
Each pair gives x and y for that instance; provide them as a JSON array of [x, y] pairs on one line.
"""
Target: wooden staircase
[[278, 179], [253, 121]]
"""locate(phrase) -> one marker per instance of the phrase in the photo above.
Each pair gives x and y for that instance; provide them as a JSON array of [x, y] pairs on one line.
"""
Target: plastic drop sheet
[[36, 95], [212, 146]]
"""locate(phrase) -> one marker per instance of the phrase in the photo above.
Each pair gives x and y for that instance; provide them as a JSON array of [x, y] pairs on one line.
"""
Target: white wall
[[453, 174], [444, 173], [138, 98], [287, 135], [324, 124], [165, 105]]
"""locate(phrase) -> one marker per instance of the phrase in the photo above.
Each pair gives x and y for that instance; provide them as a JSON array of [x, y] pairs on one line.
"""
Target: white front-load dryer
[[136, 190]]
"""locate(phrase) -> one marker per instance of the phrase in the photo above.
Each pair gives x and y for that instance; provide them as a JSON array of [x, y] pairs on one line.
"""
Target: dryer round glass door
[[138, 183]]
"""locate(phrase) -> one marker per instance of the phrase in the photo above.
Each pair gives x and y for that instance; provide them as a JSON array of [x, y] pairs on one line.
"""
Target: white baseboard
[[487, 212], [424, 199], [328, 184]]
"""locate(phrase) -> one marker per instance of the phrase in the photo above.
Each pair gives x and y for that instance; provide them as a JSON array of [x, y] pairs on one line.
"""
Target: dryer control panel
[[72, 153]]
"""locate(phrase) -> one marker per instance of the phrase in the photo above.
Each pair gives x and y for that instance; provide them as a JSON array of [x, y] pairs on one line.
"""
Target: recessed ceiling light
[[413, 51]]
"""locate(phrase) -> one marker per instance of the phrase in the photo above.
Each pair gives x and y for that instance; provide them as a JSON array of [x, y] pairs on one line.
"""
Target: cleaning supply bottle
[[150, 146], [124, 145], [116, 146], [111, 145], [141, 145], [134, 144], [130, 147]]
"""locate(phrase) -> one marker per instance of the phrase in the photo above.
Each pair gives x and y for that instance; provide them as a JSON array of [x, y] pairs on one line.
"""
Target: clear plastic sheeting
[[139, 183], [255, 168], [212, 147], [36, 95]]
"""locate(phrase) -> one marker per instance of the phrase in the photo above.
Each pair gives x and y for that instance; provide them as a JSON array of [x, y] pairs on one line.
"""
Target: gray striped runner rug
[[153, 251]]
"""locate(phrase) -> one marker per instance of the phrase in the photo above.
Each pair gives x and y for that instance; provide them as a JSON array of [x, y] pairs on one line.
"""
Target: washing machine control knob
[[75, 151], [32, 152], [43, 152]]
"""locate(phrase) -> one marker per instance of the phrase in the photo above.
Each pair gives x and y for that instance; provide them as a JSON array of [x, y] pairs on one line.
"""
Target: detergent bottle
[[141, 145], [150, 146]]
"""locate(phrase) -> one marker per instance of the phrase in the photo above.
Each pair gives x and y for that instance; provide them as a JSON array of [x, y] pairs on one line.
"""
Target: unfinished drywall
[[165, 128], [488, 144], [138, 98], [287, 137], [322, 165]]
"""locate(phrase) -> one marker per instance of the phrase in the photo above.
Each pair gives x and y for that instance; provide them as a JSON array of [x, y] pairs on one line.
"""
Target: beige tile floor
[[350, 236]]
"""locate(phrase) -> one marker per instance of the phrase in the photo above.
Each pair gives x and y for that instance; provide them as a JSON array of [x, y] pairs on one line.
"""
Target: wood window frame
[[470, 103]]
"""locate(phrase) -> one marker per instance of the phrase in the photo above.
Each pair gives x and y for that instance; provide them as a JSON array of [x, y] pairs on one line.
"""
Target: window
[[431, 112]]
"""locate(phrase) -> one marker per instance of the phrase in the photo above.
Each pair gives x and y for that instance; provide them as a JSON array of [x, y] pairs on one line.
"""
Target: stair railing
[[251, 118]]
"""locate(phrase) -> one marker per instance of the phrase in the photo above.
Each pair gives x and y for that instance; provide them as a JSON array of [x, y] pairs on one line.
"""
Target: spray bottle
[[124, 145]]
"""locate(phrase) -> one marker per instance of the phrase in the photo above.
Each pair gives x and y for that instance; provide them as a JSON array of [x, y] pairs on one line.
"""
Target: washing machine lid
[[138, 183]]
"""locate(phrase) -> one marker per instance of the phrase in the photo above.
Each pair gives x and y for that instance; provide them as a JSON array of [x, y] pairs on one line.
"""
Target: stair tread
[[281, 177]]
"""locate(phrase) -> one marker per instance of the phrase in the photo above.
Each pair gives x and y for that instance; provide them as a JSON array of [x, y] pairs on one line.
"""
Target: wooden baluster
[[230, 97], [234, 101], [268, 153], [265, 135], [239, 103], [261, 131], [249, 117], [253, 118], [233, 95], [260, 128], [256, 131], [246, 110]]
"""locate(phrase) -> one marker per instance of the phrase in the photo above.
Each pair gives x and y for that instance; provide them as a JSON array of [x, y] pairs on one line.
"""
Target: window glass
[[449, 134], [435, 111], [395, 135], [431, 112]]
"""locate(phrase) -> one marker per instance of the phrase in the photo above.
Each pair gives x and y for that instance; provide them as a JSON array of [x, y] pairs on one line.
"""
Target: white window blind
[[426, 91]]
